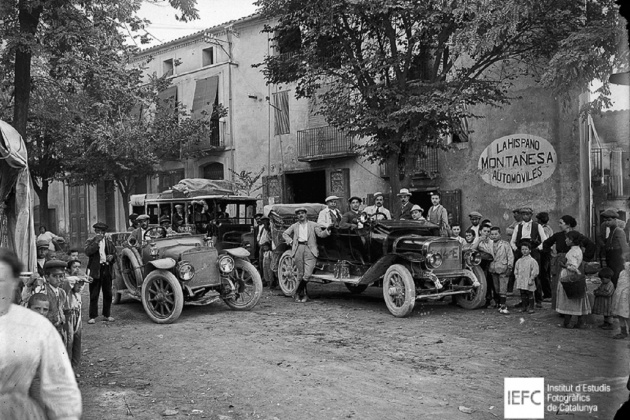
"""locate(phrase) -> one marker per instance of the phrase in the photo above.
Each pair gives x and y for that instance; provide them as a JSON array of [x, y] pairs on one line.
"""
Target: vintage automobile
[[200, 264], [407, 258]]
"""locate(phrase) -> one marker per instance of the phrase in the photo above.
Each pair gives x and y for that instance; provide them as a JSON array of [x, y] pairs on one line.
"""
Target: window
[[213, 170], [207, 56], [281, 113], [288, 40], [167, 67]]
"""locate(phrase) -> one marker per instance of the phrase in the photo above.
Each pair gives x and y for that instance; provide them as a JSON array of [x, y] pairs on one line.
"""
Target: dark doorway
[[306, 187], [423, 199]]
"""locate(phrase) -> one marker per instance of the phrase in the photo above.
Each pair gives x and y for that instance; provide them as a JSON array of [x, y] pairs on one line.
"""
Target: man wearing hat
[[102, 254], [133, 224], [179, 218], [165, 223], [405, 205], [331, 216], [55, 273], [475, 219], [615, 244], [143, 227], [535, 234], [302, 237], [377, 211], [416, 213], [42, 256], [352, 218]]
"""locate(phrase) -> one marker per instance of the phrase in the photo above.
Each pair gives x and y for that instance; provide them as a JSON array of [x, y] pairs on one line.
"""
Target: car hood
[[174, 247]]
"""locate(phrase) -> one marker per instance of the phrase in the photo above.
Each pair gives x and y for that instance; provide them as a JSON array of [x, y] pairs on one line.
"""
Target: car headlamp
[[226, 264], [185, 270], [433, 260], [472, 257]]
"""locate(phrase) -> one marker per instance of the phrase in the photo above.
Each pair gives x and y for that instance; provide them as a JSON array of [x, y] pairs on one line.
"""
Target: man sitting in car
[[331, 216], [165, 223], [377, 211], [352, 218], [139, 233]]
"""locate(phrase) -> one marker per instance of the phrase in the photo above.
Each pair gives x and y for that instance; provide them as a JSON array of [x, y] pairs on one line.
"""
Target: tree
[[246, 182], [78, 49], [127, 134], [404, 74]]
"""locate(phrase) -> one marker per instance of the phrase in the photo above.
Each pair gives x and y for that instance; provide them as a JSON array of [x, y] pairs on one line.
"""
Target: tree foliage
[[405, 73]]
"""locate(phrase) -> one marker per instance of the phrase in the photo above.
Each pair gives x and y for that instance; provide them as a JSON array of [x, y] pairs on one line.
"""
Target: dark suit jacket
[[405, 212], [349, 219], [94, 261]]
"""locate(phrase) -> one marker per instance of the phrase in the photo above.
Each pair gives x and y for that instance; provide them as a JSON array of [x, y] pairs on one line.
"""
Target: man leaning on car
[[301, 236]]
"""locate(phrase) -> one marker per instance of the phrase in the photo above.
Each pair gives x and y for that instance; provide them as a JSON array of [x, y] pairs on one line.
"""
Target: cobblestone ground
[[339, 356]]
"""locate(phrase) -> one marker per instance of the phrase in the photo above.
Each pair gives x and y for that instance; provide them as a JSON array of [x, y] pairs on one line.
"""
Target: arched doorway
[[213, 170]]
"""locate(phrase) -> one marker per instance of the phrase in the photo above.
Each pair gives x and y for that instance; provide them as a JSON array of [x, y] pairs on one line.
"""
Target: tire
[[356, 289], [162, 297], [477, 297], [245, 275], [287, 274], [399, 291], [131, 268]]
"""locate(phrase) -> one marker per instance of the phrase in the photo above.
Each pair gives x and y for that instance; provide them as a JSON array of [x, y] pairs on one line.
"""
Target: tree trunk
[[42, 195], [124, 194], [29, 19]]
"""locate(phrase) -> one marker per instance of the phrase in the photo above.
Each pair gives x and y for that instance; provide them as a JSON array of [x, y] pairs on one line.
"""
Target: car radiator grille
[[205, 262]]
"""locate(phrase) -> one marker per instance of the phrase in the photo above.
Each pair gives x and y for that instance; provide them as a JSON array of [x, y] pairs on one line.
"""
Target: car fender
[[238, 252], [378, 269], [163, 263]]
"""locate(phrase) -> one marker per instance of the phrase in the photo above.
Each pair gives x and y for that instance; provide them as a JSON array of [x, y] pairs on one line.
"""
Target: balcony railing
[[425, 165], [213, 141], [323, 143]]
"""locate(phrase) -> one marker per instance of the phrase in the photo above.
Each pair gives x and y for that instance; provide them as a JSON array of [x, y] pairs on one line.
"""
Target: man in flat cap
[[133, 224], [102, 254], [302, 237], [139, 233], [331, 216], [405, 205], [55, 273], [475, 220], [535, 235], [615, 244], [352, 218], [377, 211], [165, 224]]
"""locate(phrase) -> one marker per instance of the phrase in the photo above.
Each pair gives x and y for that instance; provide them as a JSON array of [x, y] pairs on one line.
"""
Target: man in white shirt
[[330, 216], [534, 232], [377, 211]]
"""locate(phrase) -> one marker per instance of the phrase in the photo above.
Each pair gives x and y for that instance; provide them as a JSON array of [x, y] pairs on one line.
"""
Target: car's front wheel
[[399, 290], [477, 296], [247, 279], [162, 297], [287, 274]]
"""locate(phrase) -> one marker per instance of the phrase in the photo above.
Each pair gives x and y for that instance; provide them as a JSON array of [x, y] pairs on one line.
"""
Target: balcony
[[323, 143], [608, 168], [212, 142], [423, 167]]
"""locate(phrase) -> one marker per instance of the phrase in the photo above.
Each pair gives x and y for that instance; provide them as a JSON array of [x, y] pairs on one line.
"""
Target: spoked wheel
[[477, 296], [247, 279], [356, 289], [399, 291], [287, 274], [162, 297]]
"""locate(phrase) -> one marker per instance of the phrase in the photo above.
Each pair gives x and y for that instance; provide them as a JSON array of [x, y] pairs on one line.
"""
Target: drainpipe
[[230, 103]]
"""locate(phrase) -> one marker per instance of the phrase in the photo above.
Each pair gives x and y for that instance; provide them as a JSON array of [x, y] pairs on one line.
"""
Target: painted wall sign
[[517, 161]]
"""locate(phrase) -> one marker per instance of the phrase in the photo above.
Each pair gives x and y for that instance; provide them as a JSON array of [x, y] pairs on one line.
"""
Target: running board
[[439, 295], [328, 277]]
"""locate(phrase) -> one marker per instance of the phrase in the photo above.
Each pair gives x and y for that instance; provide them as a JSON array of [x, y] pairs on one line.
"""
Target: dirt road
[[337, 357]]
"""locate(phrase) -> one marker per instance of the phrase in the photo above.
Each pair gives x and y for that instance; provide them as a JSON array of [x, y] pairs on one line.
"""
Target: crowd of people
[[531, 261]]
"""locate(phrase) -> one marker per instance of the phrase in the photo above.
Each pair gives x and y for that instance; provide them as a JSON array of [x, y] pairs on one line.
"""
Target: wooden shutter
[[281, 113], [451, 200], [205, 96]]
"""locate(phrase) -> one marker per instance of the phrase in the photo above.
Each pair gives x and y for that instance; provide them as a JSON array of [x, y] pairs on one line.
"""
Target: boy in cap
[[102, 254], [42, 256], [475, 220], [416, 213], [405, 205], [352, 218], [331, 216], [377, 211], [302, 237], [55, 274]]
